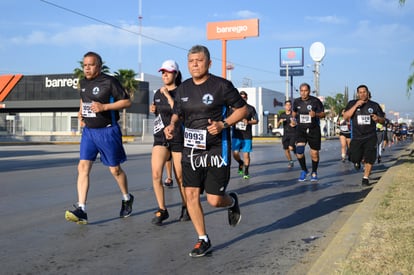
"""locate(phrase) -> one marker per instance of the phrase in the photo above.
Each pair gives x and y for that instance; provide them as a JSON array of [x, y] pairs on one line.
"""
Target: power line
[[143, 35]]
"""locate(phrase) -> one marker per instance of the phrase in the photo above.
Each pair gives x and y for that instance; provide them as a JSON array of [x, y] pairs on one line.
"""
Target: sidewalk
[[349, 236]]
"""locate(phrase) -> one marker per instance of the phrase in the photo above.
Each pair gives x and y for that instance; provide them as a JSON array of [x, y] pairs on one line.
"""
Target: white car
[[278, 131]]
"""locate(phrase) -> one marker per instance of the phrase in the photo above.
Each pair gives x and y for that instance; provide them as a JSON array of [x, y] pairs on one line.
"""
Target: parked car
[[278, 131]]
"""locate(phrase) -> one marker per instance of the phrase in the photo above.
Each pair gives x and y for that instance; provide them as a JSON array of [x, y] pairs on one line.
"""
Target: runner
[[164, 150], [307, 111], [289, 132], [204, 102], [364, 115], [242, 138]]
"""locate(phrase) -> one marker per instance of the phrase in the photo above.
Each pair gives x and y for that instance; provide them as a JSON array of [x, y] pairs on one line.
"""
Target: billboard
[[291, 56], [236, 29]]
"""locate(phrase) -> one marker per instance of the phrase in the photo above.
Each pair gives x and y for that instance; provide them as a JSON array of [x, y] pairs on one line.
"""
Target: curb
[[348, 236]]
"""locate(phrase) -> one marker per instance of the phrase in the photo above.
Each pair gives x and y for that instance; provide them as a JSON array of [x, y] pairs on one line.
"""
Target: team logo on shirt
[[309, 107], [95, 90], [184, 99], [208, 99], [370, 110]]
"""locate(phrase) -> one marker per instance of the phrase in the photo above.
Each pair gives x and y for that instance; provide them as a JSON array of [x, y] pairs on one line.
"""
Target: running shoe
[[184, 215], [314, 177], [168, 182], [201, 248], [357, 166], [290, 164], [160, 216], [126, 207], [234, 211], [365, 182], [240, 171], [379, 159], [246, 176], [78, 215], [303, 175]]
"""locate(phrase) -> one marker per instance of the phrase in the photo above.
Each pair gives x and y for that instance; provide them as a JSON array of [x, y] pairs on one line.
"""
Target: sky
[[366, 41]]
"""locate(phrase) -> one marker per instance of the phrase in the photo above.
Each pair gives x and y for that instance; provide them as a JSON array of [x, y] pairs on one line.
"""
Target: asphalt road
[[283, 221]]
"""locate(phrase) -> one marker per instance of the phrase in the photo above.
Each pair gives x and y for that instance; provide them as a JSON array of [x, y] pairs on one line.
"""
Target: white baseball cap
[[169, 66]]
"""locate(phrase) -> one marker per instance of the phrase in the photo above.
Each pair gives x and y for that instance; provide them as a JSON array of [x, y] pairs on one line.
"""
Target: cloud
[[98, 34], [247, 14], [331, 19]]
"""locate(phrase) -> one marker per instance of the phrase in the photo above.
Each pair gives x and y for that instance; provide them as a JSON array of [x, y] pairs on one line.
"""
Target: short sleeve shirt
[[287, 129], [163, 117], [196, 104], [302, 109], [103, 89], [362, 125], [243, 131]]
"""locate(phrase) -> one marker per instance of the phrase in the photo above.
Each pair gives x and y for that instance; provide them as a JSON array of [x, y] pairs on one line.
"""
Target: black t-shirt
[[164, 113], [287, 129], [103, 89], [196, 104], [242, 131], [302, 109], [362, 125]]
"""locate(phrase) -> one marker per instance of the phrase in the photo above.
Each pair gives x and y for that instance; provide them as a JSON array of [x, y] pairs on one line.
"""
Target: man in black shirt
[[364, 115], [203, 102], [307, 112], [101, 97], [289, 132], [242, 138]]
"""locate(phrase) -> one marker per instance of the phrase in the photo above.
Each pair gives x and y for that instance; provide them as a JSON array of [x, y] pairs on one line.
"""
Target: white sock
[[203, 237], [126, 197], [82, 206]]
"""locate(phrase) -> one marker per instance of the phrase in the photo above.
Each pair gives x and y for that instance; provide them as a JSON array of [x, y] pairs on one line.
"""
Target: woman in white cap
[[163, 149]]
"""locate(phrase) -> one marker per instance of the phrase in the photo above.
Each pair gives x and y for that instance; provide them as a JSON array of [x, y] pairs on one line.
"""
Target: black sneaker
[[379, 159], [201, 248], [160, 216], [78, 215], [169, 182], [234, 211], [126, 208], [357, 166], [184, 215], [365, 182]]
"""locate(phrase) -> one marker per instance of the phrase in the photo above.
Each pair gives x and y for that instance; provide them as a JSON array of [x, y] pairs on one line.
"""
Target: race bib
[[364, 119], [240, 126], [305, 119], [158, 124], [86, 110], [195, 138], [344, 128]]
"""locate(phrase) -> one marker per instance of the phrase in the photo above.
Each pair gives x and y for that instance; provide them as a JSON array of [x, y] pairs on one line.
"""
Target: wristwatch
[[225, 125]]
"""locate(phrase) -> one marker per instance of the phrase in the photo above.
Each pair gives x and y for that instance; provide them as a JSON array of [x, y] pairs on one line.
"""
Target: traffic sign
[[292, 72]]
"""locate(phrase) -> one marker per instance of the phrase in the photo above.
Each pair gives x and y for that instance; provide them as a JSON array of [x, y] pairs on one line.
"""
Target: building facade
[[49, 105]]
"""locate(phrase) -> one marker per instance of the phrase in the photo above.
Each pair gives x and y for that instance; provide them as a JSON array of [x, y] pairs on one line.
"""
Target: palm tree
[[336, 104], [128, 81]]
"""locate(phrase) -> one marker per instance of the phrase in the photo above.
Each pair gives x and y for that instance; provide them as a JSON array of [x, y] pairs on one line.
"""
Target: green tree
[[334, 105], [129, 82]]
